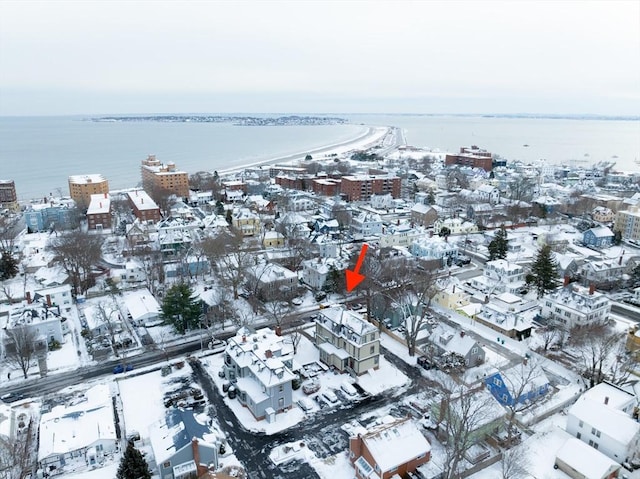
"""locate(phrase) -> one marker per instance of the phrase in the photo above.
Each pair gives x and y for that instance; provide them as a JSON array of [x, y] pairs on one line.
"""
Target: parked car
[[425, 362], [120, 368], [348, 389], [330, 396], [232, 392], [311, 387], [217, 345], [305, 404], [11, 397]]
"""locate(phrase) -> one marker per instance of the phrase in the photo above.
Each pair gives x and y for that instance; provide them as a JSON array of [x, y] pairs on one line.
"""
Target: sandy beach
[[374, 136]]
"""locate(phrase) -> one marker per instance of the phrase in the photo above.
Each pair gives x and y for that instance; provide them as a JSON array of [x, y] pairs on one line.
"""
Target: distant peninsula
[[291, 120]]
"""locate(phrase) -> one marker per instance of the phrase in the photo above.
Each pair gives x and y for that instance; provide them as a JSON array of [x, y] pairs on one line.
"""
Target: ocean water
[[575, 142], [39, 153]]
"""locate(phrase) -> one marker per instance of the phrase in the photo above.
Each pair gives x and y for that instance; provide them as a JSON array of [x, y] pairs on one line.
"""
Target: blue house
[[598, 237], [531, 384]]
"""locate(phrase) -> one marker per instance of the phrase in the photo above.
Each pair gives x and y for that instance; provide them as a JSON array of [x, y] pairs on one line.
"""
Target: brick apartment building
[[144, 208], [158, 177], [81, 187], [8, 197], [471, 156], [99, 212], [361, 187]]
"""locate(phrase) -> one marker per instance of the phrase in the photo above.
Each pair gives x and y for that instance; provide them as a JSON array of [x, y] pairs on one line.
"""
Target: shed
[[581, 461]]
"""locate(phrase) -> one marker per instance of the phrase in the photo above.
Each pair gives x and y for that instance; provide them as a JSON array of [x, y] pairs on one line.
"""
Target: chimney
[[567, 280], [453, 291], [28, 297], [200, 469], [620, 261], [592, 288], [268, 354], [105, 195], [462, 334], [49, 300], [606, 400], [278, 331], [244, 338]]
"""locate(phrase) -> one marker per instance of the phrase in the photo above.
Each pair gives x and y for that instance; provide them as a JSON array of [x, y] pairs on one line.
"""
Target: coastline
[[374, 135]]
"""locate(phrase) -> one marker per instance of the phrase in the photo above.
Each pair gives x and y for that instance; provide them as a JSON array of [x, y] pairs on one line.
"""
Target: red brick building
[[99, 212], [471, 156], [326, 186], [361, 187], [389, 449], [144, 208]]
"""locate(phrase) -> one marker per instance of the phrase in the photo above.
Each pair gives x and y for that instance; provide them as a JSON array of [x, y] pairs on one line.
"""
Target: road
[[321, 432]]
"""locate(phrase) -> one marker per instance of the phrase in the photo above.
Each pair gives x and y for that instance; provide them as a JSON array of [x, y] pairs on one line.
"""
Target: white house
[[500, 276], [271, 279], [83, 433], [366, 224], [398, 235], [457, 226], [259, 365], [573, 305], [142, 306], [435, 248], [315, 271], [488, 193], [598, 420]]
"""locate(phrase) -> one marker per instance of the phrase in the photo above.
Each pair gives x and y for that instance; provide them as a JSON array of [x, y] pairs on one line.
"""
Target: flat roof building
[[81, 187], [158, 178]]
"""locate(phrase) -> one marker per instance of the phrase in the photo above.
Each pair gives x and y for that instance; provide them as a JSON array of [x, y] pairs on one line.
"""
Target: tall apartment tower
[[81, 187], [158, 177], [8, 197]]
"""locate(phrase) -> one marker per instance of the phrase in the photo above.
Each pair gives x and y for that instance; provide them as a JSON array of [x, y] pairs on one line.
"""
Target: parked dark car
[[425, 362]]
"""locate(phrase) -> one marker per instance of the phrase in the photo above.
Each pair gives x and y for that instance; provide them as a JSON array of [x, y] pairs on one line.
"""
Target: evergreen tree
[[617, 237], [180, 308], [133, 465], [543, 271], [499, 245], [8, 266], [229, 217]]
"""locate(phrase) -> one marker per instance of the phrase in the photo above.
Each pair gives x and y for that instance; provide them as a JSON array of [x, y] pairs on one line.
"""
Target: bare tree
[[515, 463], [462, 415], [594, 344], [109, 317], [10, 295], [15, 456], [549, 334], [78, 252], [621, 364], [231, 256], [22, 347], [521, 383]]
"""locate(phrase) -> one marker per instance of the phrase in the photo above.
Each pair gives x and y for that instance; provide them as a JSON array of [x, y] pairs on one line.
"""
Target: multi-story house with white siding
[[259, 366], [602, 417], [572, 306], [628, 223], [500, 276], [346, 341]]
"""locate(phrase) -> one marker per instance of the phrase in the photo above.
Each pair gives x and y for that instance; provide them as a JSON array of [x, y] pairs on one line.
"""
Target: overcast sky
[[86, 57]]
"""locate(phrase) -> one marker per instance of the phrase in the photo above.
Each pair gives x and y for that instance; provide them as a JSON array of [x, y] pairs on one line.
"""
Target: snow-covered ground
[[373, 382]]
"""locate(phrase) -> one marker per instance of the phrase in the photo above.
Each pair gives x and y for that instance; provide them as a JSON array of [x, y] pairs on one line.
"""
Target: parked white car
[[305, 404], [348, 389], [330, 396]]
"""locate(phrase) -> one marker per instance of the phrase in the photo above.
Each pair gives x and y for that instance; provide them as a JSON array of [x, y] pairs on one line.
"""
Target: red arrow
[[354, 278]]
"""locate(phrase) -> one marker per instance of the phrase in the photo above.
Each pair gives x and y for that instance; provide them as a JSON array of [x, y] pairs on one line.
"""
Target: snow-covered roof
[[99, 204], [601, 232], [585, 460], [611, 422], [141, 304], [347, 323], [174, 432], [451, 340], [141, 200], [616, 398], [264, 353], [396, 443], [67, 429]]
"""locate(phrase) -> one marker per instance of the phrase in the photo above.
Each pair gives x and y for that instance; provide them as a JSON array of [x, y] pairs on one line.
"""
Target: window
[[580, 424], [166, 464], [281, 388], [578, 435], [281, 402], [497, 382], [372, 349]]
